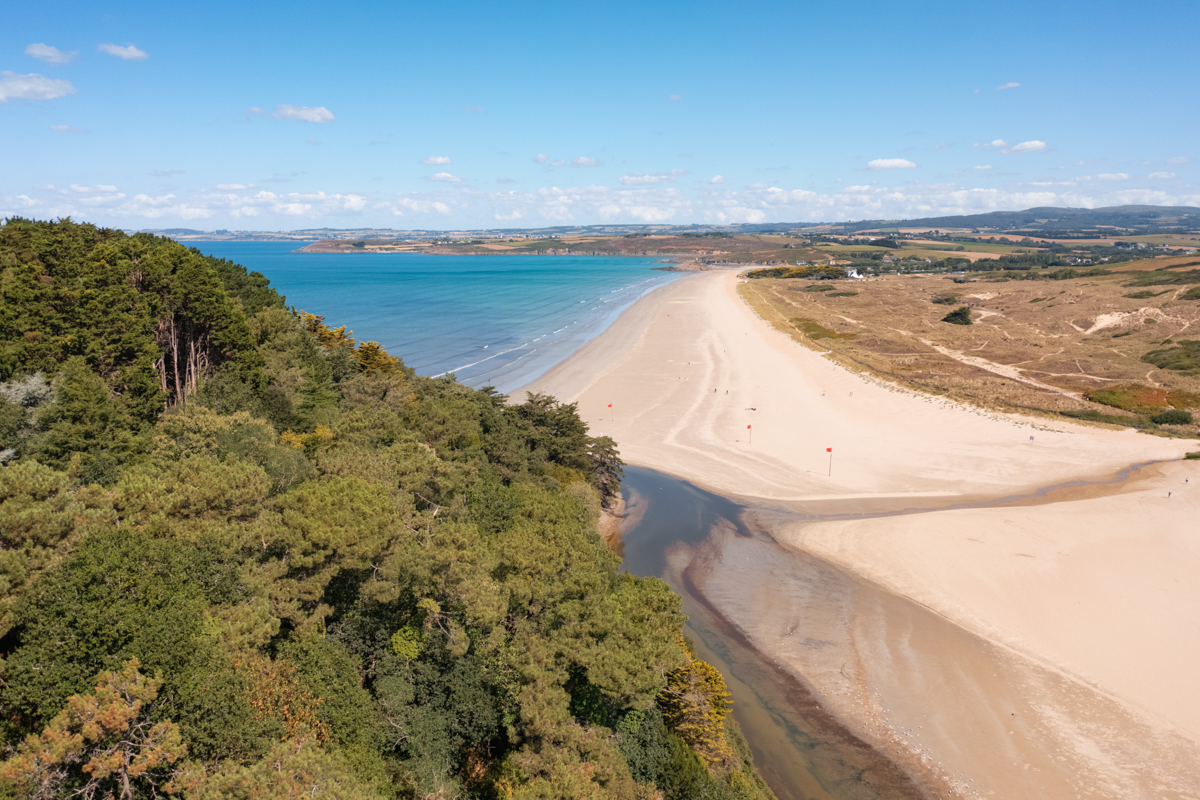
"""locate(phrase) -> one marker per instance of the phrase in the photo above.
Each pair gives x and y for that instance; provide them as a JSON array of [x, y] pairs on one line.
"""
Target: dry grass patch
[[1078, 350]]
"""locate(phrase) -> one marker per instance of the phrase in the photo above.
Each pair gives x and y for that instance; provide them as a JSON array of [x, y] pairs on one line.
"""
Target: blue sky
[[523, 114]]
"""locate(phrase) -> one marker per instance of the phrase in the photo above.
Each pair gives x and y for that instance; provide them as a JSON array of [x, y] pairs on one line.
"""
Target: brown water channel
[[800, 749]]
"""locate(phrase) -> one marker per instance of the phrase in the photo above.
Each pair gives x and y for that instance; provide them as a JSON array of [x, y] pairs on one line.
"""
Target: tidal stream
[[800, 749]]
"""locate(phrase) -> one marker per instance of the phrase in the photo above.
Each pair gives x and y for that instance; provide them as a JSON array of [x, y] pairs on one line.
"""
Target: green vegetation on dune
[[1140, 398], [247, 556], [959, 316], [1183, 356], [814, 330]]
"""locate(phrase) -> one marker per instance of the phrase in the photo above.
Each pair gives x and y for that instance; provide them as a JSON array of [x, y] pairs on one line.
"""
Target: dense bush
[[959, 316], [1172, 417]]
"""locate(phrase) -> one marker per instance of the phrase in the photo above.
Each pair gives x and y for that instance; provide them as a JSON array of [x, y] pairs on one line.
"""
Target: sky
[[443, 116]]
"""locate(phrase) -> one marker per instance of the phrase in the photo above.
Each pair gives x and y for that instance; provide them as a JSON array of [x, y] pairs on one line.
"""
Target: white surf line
[[480, 361]]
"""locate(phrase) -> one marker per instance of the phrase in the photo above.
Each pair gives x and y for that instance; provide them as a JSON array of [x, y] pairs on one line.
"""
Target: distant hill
[[1136, 218], [1057, 219]]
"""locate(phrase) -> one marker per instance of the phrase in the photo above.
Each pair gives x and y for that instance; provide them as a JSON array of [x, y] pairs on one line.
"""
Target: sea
[[497, 321]]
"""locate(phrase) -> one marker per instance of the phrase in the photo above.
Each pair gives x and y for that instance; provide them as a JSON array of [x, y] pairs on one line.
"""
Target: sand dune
[[1097, 588]]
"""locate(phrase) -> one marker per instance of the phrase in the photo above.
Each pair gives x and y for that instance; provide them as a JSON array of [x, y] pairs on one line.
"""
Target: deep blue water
[[492, 320]]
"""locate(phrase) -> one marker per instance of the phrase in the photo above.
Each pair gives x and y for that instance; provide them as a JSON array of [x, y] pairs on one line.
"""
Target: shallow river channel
[[800, 749]]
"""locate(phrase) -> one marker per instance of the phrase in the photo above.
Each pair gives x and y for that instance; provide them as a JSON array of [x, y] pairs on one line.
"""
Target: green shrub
[[816, 287], [1172, 417], [959, 316], [947, 299]]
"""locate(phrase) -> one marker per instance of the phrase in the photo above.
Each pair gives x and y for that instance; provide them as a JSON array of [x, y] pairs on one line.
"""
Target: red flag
[[747, 427], [828, 449], [610, 405]]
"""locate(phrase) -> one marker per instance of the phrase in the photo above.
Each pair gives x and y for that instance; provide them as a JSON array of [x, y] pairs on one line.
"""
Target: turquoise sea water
[[492, 320]]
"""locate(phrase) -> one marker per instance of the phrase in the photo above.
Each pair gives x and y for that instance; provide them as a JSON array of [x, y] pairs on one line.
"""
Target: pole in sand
[[750, 435], [614, 414], [830, 451]]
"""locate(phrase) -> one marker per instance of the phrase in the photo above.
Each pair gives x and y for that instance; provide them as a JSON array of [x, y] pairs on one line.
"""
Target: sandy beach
[[1041, 647]]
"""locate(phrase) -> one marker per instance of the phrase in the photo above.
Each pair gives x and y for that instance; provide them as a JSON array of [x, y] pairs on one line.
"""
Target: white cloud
[[674, 97], [890, 163], [585, 162], [67, 129], [446, 177], [32, 87], [127, 53], [717, 179], [255, 110], [435, 161], [1112, 176], [464, 205], [981, 168], [640, 179], [51, 55], [941, 145], [163, 173], [1179, 160], [318, 114], [540, 158], [1162, 175], [1032, 146], [993, 143], [417, 205], [558, 163], [1009, 85]]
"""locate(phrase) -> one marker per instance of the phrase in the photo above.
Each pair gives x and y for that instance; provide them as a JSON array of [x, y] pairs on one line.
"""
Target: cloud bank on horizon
[[159, 133]]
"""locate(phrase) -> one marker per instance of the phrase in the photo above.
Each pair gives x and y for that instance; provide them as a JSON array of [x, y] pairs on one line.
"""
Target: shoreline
[[908, 450]]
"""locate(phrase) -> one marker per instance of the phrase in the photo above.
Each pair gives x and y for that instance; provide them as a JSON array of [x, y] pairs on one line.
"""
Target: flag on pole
[[747, 427], [828, 449], [610, 405]]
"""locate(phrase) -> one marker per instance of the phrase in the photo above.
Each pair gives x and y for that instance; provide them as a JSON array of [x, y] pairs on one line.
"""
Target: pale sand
[[1078, 619], [660, 362]]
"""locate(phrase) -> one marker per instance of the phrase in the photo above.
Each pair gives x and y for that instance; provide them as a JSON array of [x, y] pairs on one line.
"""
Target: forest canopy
[[245, 555]]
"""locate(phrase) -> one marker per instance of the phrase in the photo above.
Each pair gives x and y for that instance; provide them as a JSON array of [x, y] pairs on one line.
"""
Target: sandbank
[[1075, 614]]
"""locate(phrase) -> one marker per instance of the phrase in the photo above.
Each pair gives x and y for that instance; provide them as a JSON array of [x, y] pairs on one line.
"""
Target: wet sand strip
[[802, 750]]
